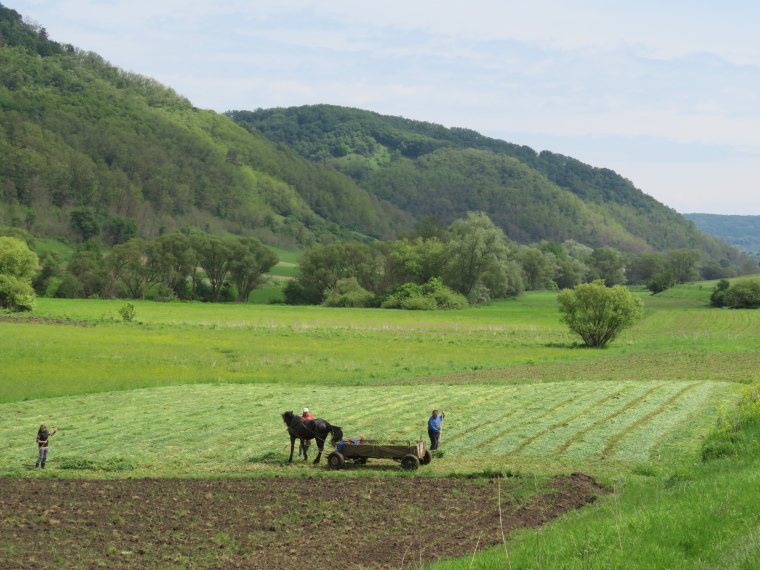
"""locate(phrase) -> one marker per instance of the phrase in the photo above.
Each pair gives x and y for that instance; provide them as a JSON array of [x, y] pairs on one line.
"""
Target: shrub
[[743, 295], [296, 294], [598, 313], [661, 282], [348, 293], [127, 311], [428, 297], [717, 299], [16, 294]]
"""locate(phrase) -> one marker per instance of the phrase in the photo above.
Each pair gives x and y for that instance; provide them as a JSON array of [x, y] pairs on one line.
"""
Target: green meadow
[[196, 390]]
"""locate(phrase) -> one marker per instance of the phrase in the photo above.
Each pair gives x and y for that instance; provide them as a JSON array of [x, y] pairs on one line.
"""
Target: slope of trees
[[77, 132], [431, 170]]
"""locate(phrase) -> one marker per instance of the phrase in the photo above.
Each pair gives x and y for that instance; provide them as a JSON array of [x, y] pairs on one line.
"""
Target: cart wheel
[[427, 458], [336, 460], [409, 462]]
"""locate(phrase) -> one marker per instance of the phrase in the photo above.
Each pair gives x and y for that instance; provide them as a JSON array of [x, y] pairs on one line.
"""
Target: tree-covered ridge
[[432, 170], [741, 231], [76, 131], [32, 37]]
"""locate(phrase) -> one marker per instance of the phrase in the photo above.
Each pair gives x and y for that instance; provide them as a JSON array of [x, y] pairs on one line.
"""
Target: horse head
[[337, 434], [287, 417]]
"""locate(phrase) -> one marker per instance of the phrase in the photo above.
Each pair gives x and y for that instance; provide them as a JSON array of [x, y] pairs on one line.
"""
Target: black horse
[[305, 430]]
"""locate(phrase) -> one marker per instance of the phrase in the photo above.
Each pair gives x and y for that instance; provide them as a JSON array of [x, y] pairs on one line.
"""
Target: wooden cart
[[410, 454]]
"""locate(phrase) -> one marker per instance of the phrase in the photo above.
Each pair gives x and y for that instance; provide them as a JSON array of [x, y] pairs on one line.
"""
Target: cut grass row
[[229, 428]]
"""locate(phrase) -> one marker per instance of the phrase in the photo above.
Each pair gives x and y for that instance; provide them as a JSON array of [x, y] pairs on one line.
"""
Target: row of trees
[[475, 259], [202, 267], [472, 258]]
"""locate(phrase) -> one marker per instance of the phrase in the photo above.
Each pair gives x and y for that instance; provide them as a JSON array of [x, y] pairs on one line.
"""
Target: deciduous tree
[[598, 313], [250, 260]]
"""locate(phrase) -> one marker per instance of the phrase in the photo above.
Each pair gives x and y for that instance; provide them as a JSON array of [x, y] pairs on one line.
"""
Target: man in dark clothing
[[42, 442], [434, 428]]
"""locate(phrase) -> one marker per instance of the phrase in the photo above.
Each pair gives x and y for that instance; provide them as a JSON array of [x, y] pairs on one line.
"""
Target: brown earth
[[314, 522]]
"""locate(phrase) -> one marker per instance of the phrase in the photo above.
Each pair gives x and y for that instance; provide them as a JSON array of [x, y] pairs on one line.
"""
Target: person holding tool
[[42, 442], [434, 429]]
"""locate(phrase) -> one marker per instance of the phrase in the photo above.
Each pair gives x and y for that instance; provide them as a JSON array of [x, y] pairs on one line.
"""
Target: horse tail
[[337, 434]]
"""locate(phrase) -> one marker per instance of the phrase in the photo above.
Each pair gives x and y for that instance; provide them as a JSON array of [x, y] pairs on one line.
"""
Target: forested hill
[[741, 231], [431, 170], [77, 132]]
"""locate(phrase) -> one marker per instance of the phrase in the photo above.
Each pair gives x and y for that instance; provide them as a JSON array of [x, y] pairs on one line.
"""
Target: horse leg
[[292, 445], [320, 446]]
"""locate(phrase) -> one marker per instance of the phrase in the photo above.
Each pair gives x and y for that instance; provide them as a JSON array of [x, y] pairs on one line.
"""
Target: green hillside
[[741, 231], [76, 131], [430, 170]]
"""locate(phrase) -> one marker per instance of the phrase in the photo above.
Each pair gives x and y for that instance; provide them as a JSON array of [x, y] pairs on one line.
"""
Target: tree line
[[473, 261], [174, 266]]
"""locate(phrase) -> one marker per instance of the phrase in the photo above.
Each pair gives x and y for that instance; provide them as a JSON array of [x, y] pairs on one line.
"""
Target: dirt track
[[268, 523]]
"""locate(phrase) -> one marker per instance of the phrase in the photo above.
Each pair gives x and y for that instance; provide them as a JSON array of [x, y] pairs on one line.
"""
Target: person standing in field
[[306, 415], [434, 428], [42, 442]]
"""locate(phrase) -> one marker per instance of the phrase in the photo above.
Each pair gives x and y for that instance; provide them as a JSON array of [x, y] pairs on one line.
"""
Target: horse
[[305, 430]]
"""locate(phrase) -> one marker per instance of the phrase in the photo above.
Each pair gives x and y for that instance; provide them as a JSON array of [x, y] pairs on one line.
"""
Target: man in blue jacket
[[434, 428]]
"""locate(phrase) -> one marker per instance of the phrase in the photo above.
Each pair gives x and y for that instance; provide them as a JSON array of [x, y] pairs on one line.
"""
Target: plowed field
[[319, 522]]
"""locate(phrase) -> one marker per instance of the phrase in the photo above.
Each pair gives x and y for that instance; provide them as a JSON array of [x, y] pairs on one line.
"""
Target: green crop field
[[196, 390], [237, 428]]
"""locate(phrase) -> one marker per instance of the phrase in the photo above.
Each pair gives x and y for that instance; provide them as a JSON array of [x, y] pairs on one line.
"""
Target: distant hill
[[430, 170], [76, 131], [741, 231]]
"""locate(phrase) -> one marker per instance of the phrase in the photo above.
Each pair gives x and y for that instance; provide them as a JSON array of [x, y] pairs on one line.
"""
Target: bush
[[348, 293], [743, 295], [661, 282], [296, 294], [428, 297], [717, 299], [598, 313], [127, 311], [16, 294]]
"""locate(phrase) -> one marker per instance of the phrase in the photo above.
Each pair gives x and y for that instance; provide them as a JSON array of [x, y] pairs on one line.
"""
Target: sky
[[667, 94]]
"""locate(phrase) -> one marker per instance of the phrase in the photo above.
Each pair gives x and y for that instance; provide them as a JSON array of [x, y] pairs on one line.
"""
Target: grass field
[[195, 390]]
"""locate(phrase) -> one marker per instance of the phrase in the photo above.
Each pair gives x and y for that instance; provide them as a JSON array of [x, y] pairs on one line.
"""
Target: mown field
[[196, 390]]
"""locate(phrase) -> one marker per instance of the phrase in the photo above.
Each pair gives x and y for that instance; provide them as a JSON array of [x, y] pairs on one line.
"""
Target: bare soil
[[314, 522]]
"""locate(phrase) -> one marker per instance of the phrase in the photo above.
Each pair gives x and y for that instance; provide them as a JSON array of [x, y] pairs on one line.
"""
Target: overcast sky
[[667, 94]]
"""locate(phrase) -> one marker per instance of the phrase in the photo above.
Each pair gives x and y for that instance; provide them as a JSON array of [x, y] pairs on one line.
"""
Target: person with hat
[[306, 415], [434, 428]]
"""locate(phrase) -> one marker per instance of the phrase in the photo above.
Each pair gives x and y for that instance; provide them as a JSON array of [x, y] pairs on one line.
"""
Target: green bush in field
[[718, 297], [661, 281], [428, 297], [597, 313], [127, 311], [743, 295], [348, 293], [17, 265], [739, 295]]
